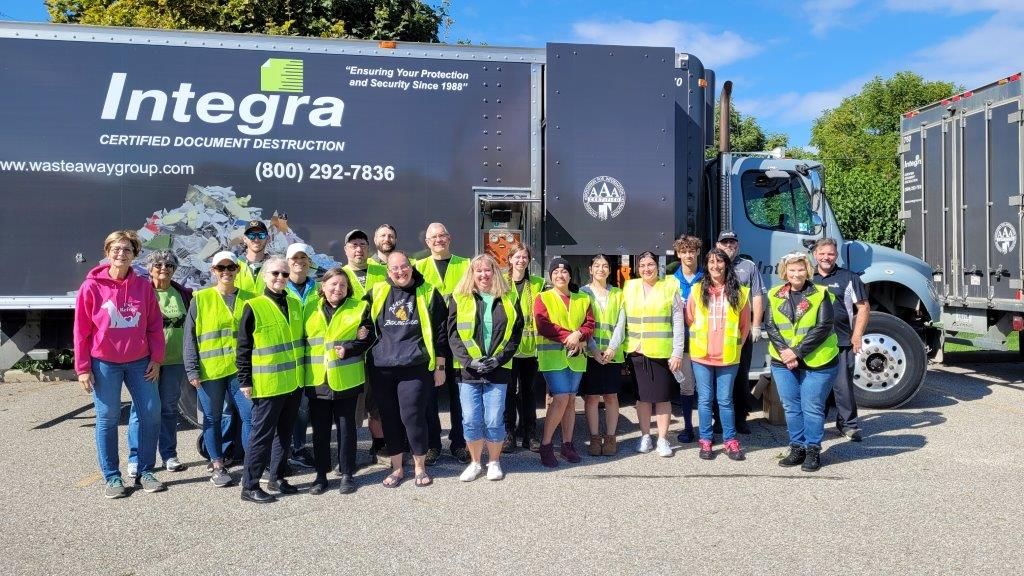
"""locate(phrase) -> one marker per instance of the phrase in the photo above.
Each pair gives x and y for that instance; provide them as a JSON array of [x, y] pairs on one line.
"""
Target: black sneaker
[[812, 461], [281, 487], [348, 485], [319, 487], [853, 434], [301, 459], [258, 496], [461, 454], [432, 455], [796, 456]]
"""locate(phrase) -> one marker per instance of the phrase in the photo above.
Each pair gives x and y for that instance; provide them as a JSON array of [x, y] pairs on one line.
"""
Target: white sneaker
[[173, 464], [131, 473], [646, 444], [472, 472], [494, 471], [664, 449]]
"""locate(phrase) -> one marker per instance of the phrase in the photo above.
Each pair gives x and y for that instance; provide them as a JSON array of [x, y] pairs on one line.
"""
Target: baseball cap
[[298, 247], [727, 235], [355, 235], [222, 256], [256, 225]]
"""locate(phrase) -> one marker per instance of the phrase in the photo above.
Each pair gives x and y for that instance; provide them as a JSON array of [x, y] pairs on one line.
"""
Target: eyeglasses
[[226, 267], [440, 236], [122, 250], [256, 235], [278, 274], [399, 268], [164, 266], [729, 241]]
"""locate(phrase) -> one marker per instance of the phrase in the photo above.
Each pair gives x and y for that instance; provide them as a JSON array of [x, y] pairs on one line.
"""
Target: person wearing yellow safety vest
[[655, 338], [484, 328], [411, 320], [269, 357], [520, 398], [209, 354], [302, 291], [718, 313], [443, 270], [565, 322], [255, 237], [805, 351], [338, 333], [363, 274], [603, 378]]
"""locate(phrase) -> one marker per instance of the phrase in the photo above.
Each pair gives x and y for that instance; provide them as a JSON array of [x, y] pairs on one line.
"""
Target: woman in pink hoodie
[[119, 338]]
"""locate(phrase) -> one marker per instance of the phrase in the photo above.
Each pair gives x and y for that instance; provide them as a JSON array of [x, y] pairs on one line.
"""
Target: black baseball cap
[[727, 235], [355, 235], [256, 225]]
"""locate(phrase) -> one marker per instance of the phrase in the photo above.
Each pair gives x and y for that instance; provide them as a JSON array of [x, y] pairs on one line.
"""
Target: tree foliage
[[746, 135], [858, 141], [406, 20]]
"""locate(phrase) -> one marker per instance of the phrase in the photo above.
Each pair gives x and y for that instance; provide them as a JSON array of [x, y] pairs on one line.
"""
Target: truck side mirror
[[817, 221]]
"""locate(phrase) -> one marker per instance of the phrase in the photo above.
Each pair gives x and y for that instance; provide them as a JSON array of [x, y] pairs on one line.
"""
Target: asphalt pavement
[[935, 488]]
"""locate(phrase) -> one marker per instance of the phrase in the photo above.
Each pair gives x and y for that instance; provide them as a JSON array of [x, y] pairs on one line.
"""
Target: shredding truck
[[571, 149]]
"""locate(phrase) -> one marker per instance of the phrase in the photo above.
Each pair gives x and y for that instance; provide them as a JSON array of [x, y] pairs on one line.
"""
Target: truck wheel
[[188, 405], [890, 368]]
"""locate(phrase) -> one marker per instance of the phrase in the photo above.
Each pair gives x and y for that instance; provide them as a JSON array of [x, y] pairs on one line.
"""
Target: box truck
[[571, 149]]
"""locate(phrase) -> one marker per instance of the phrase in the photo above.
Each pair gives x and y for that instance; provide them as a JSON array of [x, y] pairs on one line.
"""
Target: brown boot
[[611, 445], [595, 445]]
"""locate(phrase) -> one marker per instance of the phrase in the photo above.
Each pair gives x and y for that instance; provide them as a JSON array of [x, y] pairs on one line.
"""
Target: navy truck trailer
[[571, 149], [962, 193]]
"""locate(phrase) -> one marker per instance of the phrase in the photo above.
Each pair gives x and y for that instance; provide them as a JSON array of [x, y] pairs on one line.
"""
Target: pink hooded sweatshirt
[[116, 320]]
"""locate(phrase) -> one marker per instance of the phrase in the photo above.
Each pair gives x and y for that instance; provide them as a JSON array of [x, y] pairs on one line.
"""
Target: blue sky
[[788, 60]]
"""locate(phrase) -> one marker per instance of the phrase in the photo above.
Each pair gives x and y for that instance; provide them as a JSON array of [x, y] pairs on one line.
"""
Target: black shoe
[[853, 434], [301, 459], [795, 457], [348, 485], [461, 454], [509, 446], [319, 486], [686, 436], [532, 443], [432, 455], [813, 460], [742, 427], [258, 496], [281, 487]]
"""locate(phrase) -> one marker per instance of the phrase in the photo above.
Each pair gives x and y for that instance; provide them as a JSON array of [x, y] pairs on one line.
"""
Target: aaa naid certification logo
[[604, 197]]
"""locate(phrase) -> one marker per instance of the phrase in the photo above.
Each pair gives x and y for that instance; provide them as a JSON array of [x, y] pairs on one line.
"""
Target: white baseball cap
[[298, 247], [222, 256]]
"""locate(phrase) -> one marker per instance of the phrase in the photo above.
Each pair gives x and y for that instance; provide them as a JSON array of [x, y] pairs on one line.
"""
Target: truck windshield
[[776, 203]]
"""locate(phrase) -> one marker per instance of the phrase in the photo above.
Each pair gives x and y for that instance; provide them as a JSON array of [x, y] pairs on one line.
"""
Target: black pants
[[741, 385], [842, 388], [403, 397], [451, 385], [521, 399], [270, 439], [340, 413]]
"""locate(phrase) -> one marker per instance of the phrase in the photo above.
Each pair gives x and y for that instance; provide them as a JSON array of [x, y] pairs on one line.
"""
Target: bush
[[866, 205]]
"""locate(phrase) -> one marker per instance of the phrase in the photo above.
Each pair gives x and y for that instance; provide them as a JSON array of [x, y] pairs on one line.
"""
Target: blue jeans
[[169, 387], [564, 381], [106, 396], [715, 382], [212, 395], [483, 411], [803, 393]]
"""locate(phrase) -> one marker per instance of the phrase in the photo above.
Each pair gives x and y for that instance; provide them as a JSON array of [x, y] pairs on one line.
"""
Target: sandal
[[393, 480], [423, 480]]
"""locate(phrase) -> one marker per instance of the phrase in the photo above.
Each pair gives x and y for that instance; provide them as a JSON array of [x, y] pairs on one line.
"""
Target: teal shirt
[[488, 320], [172, 308]]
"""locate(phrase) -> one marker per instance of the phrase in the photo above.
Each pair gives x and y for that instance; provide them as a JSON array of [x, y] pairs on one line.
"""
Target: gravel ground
[[935, 488]]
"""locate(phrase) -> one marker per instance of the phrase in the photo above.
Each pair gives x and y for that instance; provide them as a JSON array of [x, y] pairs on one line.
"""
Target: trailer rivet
[[498, 180], [485, 148], [485, 84], [498, 164], [485, 163], [498, 116], [485, 131], [498, 101], [485, 100], [498, 85], [498, 132], [485, 179], [485, 116], [498, 148]]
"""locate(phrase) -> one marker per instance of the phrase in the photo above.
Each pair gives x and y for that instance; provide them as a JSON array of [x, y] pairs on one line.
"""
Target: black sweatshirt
[[815, 337], [246, 326], [498, 323], [356, 347], [399, 336]]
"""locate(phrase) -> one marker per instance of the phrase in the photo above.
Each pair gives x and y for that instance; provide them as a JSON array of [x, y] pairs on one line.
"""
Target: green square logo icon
[[281, 75]]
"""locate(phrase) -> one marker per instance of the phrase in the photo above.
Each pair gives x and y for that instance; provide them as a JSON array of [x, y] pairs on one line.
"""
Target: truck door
[[935, 207], [973, 212], [1003, 236], [954, 278], [913, 193]]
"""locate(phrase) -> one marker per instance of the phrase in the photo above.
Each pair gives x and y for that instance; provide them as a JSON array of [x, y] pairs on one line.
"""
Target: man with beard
[[385, 239]]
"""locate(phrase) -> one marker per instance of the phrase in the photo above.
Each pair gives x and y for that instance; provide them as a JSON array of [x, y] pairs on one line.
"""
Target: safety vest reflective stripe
[[528, 341], [225, 333], [731, 345], [274, 368], [424, 294], [277, 352], [649, 328], [457, 267], [826, 351], [465, 325], [551, 355], [215, 332]]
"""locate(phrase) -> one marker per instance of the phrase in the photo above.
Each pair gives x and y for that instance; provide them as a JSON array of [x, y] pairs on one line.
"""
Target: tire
[[890, 368], [188, 405]]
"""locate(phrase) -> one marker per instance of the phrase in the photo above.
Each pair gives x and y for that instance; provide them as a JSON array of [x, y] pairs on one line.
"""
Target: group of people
[[379, 337]]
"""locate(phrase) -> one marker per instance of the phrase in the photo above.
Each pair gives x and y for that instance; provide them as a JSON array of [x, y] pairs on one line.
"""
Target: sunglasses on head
[[226, 267], [794, 256], [256, 235], [278, 274]]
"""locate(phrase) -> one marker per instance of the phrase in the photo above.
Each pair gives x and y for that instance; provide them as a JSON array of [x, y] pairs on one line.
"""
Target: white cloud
[[795, 107], [980, 55], [958, 6], [715, 49], [823, 15]]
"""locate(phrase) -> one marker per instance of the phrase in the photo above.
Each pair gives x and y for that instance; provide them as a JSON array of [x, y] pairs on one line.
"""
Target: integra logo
[[258, 113]]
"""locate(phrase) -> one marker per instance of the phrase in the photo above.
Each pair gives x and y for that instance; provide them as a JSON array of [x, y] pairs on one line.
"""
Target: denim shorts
[[564, 381]]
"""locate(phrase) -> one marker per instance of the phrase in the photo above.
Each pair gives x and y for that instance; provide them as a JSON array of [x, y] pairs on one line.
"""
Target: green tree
[[857, 142], [406, 20], [746, 135]]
